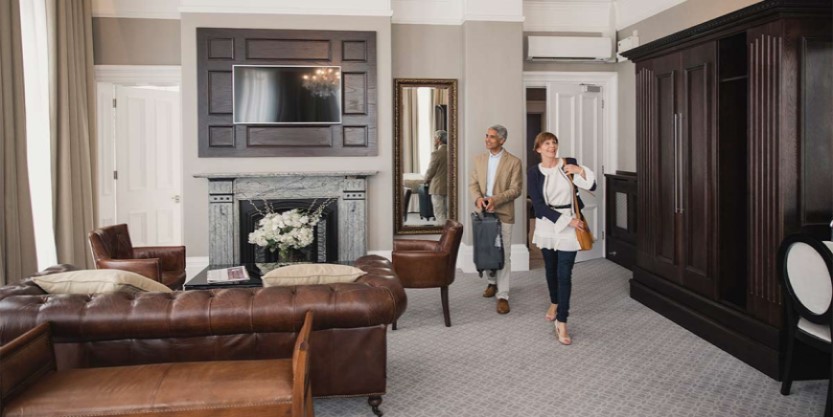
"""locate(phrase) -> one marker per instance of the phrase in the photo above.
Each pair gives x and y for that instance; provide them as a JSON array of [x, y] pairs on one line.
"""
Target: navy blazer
[[535, 188]]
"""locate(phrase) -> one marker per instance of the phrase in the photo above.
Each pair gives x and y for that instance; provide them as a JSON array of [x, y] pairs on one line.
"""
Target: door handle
[[676, 167], [680, 164], [176, 198]]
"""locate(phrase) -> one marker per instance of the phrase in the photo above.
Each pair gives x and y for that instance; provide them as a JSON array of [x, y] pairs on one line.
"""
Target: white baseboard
[[520, 258]]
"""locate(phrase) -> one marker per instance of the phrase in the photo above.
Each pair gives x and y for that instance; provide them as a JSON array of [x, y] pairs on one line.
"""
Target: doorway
[[580, 109], [140, 158]]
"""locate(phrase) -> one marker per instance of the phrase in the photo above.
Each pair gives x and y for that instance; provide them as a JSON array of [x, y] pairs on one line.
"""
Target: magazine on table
[[235, 273]]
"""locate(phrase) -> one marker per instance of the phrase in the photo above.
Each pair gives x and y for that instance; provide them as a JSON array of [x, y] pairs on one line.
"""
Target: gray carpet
[[626, 360]]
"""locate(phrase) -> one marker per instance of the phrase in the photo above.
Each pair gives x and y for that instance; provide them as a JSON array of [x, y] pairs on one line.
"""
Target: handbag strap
[[576, 207]]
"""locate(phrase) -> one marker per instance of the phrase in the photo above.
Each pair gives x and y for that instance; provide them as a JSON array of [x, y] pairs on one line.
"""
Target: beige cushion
[[100, 281], [309, 274]]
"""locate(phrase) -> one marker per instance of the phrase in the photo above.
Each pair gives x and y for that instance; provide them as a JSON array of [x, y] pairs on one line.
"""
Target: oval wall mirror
[[425, 154]]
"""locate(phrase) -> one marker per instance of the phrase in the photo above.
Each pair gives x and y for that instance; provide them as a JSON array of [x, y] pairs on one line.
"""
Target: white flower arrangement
[[291, 229]]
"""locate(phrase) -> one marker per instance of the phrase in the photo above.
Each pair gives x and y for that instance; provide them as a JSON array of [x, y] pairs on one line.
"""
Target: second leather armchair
[[112, 249], [429, 263]]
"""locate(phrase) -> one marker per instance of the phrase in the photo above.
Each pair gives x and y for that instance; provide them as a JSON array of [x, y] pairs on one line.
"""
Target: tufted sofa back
[[247, 323]]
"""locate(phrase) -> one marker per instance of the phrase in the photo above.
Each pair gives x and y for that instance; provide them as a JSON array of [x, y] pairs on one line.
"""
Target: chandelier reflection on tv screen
[[286, 94], [323, 82]]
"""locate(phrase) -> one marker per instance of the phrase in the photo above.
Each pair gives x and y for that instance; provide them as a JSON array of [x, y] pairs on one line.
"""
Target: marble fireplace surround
[[226, 190]]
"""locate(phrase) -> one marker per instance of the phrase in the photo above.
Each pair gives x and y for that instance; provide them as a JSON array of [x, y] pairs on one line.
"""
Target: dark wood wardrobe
[[734, 150]]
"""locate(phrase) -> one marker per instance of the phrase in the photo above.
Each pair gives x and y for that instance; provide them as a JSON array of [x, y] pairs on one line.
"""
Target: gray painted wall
[[433, 51], [568, 66], [195, 191], [427, 51], [122, 41], [682, 16], [626, 137], [493, 94], [675, 19]]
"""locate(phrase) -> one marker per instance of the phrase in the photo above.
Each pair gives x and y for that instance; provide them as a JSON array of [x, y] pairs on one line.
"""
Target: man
[[437, 176], [494, 184]]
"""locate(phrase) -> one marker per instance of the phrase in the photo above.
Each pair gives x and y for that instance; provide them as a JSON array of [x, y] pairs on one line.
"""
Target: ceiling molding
[[147, 9], [290, 7], [629, 12], [426, 21], [493, 10], [568, 16], [427, 12], [493, 17]]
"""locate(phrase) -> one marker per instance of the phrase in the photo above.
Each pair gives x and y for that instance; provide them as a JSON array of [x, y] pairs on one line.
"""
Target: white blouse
[[558, 192]]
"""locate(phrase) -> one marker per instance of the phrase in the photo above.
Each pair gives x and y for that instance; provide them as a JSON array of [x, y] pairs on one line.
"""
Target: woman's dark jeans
[[559, 266]]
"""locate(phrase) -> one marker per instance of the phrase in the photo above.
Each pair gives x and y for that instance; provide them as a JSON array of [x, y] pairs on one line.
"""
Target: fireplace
[[230, 195], [323, 249]]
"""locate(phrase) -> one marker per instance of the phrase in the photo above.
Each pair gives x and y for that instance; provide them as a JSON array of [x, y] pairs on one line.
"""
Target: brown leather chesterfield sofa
[[348, 346]]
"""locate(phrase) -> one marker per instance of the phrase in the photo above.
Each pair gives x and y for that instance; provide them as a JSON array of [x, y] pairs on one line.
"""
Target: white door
[[575, 115], [148, 163]]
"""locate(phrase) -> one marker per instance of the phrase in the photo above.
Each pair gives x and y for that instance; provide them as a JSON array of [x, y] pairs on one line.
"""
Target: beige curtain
[[73, 146], [18, 256], [410, 130]]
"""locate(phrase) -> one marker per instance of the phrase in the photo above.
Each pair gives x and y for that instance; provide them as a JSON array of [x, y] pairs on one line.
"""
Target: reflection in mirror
[[425, 155]]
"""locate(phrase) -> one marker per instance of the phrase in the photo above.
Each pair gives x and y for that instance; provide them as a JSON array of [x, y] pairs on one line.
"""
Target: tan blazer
[[508, 183], [437, 175]]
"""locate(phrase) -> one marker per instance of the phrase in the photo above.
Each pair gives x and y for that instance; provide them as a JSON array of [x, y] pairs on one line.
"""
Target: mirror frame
[[399, 228]]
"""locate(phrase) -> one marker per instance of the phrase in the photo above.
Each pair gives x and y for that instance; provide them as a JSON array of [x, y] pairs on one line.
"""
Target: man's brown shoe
[[502, 306], [490, 291]]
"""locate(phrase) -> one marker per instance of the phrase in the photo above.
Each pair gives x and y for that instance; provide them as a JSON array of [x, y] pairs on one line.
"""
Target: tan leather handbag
[[585, 238]]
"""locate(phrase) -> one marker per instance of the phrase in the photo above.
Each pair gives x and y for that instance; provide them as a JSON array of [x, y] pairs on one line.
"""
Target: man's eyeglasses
[[492, 136]]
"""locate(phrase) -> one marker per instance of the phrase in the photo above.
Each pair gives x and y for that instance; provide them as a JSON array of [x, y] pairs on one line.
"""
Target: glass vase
[[290, 255], [264, 254]]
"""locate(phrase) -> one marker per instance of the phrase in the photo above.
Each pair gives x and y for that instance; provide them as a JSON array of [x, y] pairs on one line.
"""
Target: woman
[[550, 186]]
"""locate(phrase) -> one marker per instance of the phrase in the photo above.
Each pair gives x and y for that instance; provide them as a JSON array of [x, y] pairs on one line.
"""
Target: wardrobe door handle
[[676, 167], [680, 164]]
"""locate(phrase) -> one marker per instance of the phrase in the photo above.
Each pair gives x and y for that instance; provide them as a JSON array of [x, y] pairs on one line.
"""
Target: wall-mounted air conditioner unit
[[569, 48]]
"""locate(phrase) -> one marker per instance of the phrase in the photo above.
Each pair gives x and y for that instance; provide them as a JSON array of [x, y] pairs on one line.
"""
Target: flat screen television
[[285, 94]]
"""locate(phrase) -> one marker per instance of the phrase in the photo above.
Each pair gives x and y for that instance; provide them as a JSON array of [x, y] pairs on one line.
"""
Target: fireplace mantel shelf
[[359, 174]]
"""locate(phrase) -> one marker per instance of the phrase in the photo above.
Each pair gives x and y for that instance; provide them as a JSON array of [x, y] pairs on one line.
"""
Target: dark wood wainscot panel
[[218, 50]]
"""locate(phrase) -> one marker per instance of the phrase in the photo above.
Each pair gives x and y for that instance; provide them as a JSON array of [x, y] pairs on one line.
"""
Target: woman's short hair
[[543, 137]]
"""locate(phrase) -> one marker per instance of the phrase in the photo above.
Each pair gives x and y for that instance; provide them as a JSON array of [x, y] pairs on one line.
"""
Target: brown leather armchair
[[112, 249], [429, 263]]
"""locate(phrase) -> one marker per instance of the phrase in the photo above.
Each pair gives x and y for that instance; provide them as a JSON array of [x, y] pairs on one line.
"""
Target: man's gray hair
[[501, 131], [442, 135]]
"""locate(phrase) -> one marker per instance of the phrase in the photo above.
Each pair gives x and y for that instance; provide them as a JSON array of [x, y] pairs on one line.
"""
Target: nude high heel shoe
[[561, 334], [550, 316]]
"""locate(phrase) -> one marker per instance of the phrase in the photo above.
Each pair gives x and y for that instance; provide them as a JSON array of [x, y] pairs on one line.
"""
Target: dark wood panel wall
[[816, 126], [220, 49]]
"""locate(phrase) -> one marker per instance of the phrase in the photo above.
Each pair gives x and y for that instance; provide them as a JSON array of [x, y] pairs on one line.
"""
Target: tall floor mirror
[[425, 154]]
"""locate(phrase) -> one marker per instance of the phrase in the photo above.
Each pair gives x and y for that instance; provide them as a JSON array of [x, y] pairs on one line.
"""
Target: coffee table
[[200, 281]]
